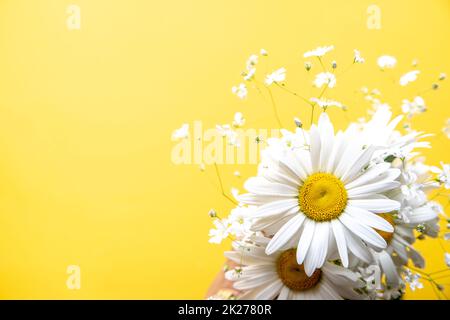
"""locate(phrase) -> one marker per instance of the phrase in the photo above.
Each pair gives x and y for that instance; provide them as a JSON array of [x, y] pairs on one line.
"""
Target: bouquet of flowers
[[334, 214]]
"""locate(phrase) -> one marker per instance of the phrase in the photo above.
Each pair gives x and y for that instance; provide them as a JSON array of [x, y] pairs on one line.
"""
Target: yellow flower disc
[[293, 274], [322, 197]]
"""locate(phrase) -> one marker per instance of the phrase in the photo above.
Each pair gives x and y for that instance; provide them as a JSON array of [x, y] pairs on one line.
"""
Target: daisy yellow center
[[293, 274], [322, 197], [387, 236]]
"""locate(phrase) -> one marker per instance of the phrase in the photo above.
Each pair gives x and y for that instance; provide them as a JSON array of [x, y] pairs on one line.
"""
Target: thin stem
[[315, 103], [221, 185], [274, 107], [293, 93]]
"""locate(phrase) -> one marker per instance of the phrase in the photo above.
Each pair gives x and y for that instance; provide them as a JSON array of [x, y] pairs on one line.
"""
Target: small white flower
[[231, 135], [318, 52], [442, 76], [446, 128], [240, 90], [413, 279], [276, 76], [444, 175], [325, 103], [181, 133], [357, 57], [252, 61], [264, 52], [416, 106], [238, 120], [447, 259], [385, 62], [237, 174], [239, 220], [220, 232], [409, 77], [249, 74], [326, 78]]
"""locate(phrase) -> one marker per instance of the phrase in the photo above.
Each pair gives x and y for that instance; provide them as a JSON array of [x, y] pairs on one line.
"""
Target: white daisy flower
[[318, 52], [324, 197], [325, 78], [240, 90], [409, 77], [263, 52], [181, 133], [238, 120], [220, 232], [276, 76], [357, 57], [279, 276], [325, 103], [252, 61], [386, 62], [249, 74]]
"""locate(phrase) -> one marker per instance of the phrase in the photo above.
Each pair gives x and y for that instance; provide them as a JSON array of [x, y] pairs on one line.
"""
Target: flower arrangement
[[334, 214]]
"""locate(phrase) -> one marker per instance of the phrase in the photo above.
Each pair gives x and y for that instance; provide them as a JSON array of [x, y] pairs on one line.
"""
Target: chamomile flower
[[276, 76], [318, 52], [326, 197], [325, 78], [409, 77], [386, 62], [279, 276]]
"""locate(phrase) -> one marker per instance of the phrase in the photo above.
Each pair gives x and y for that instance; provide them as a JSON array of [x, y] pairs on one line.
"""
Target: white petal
[[369, 175], [315, 147], [285, 233], [275, 208], [357, 247], [364, 232], [338, 231], [259, 185], [326, 139], [305, 240], [270, 291], [284, 293], [255, 281], [389, 268], [378, 187], [375, 205], [354, 167], [319, 247], [369, 218]]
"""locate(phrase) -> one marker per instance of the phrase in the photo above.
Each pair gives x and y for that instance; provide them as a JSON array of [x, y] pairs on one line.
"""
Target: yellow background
[[86, 118]]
